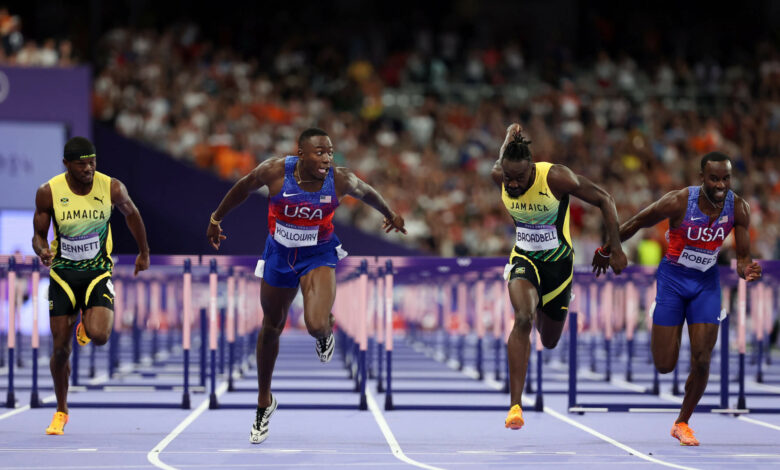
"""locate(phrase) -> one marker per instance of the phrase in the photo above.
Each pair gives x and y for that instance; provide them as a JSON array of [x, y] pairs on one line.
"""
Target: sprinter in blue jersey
[[700, 219], [301, 248]]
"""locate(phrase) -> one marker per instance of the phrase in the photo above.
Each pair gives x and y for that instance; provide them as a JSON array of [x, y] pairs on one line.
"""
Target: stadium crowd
[[423, 125], [15, 49]]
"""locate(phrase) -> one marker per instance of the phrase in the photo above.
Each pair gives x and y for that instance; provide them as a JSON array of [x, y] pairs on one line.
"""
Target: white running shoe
[[259, 431], [325, 347]]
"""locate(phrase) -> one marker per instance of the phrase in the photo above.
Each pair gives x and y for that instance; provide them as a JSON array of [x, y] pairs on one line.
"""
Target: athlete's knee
[[318, 326], [523, 321], [700, 363], [664, 366], [60, 355], [271, 330], [99, 338]]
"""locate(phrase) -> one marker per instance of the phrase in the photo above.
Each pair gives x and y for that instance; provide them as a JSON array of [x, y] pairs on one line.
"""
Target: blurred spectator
[[422, 120], [16, 50], [424, 126]]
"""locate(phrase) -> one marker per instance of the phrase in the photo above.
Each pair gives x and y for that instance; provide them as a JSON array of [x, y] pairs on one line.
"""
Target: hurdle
[[722, 407], [114, 344], [349, 308], [462, 274]]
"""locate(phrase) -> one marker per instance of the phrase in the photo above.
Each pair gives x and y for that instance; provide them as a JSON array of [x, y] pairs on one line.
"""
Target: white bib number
[[294, 236], [80, 248], [698, 258], [537, 237]]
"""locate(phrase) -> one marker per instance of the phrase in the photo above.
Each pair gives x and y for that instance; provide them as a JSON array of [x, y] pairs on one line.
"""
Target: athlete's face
[[82, 170], [316, 156], [517, 176], [716, 180]]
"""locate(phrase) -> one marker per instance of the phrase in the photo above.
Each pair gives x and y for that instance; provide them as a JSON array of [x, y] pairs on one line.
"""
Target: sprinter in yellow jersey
[[539, 273], [79, 202]]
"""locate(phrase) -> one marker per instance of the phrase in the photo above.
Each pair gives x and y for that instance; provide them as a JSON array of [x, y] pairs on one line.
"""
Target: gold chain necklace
[[710, 200], [298, 176]]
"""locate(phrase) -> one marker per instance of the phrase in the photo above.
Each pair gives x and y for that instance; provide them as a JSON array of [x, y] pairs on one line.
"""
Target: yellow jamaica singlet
[[82, 234], [541, 221]]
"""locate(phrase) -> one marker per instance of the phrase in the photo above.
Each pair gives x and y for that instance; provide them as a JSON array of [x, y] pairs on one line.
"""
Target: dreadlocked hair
[[517, 149]]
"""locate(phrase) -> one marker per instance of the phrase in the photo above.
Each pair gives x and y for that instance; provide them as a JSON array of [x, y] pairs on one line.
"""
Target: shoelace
[[259, 417], [686, 431]]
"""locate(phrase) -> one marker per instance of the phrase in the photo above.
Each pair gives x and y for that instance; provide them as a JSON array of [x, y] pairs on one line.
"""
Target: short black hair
[[517, 149], [310, 132], [78, 147], [714, 157]]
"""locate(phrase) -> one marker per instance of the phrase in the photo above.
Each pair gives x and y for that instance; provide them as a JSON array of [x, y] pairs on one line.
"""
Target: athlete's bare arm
[[44, 209], [269, 173], [497, 173], [563, 181], [348, 184], [671, 206], [747, 269], [121, 199]]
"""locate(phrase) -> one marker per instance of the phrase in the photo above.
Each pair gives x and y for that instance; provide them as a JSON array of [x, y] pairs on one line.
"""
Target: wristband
[[214, 221], [600, 253]]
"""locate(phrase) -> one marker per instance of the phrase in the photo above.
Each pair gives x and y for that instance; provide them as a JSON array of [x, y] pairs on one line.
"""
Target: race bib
[[697, 258], [294, 236], [80, 248], [537, 237]]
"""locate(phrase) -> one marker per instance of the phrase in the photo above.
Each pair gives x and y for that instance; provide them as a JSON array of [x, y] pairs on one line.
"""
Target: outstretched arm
[[563, 181], [257, 178], [497, 173], [121, 199], [348, 183], [44, 208], [671, 206], [747, 269]]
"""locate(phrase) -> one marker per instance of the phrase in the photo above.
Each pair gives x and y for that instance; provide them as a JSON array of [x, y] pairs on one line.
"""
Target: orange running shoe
[[684, 434], [81, 335], [58, 423], [514, 420]]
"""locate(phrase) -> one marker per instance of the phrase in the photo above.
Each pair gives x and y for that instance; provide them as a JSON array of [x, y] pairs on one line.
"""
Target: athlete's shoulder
[[272, 165], [102, 176], [56, 179], [677, 195], [43, 193], [342, 172], [672, 205]]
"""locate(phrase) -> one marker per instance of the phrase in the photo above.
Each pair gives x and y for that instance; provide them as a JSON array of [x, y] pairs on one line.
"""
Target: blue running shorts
[[283, 267], [685, 294]]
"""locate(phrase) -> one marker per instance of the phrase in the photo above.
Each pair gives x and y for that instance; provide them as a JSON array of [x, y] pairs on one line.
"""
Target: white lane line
[[608, 439], [24, 408], [759, 423], [671, 398], [760, 386], [492, 383], [154, 455], [388, 433]]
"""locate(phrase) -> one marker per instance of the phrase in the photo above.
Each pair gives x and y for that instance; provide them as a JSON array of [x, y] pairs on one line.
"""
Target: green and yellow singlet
[[82, 234], [541, 221]]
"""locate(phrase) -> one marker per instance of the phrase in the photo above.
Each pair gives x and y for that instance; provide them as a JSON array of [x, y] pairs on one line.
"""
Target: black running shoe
[[325, 347], [259, 431]]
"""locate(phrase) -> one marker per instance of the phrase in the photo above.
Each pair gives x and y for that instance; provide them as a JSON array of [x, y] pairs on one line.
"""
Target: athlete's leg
[[62, 334], [318, 287], [703, 337], [524, 298], [276, 302], [665, 345], [98, 322], [549, 330]]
